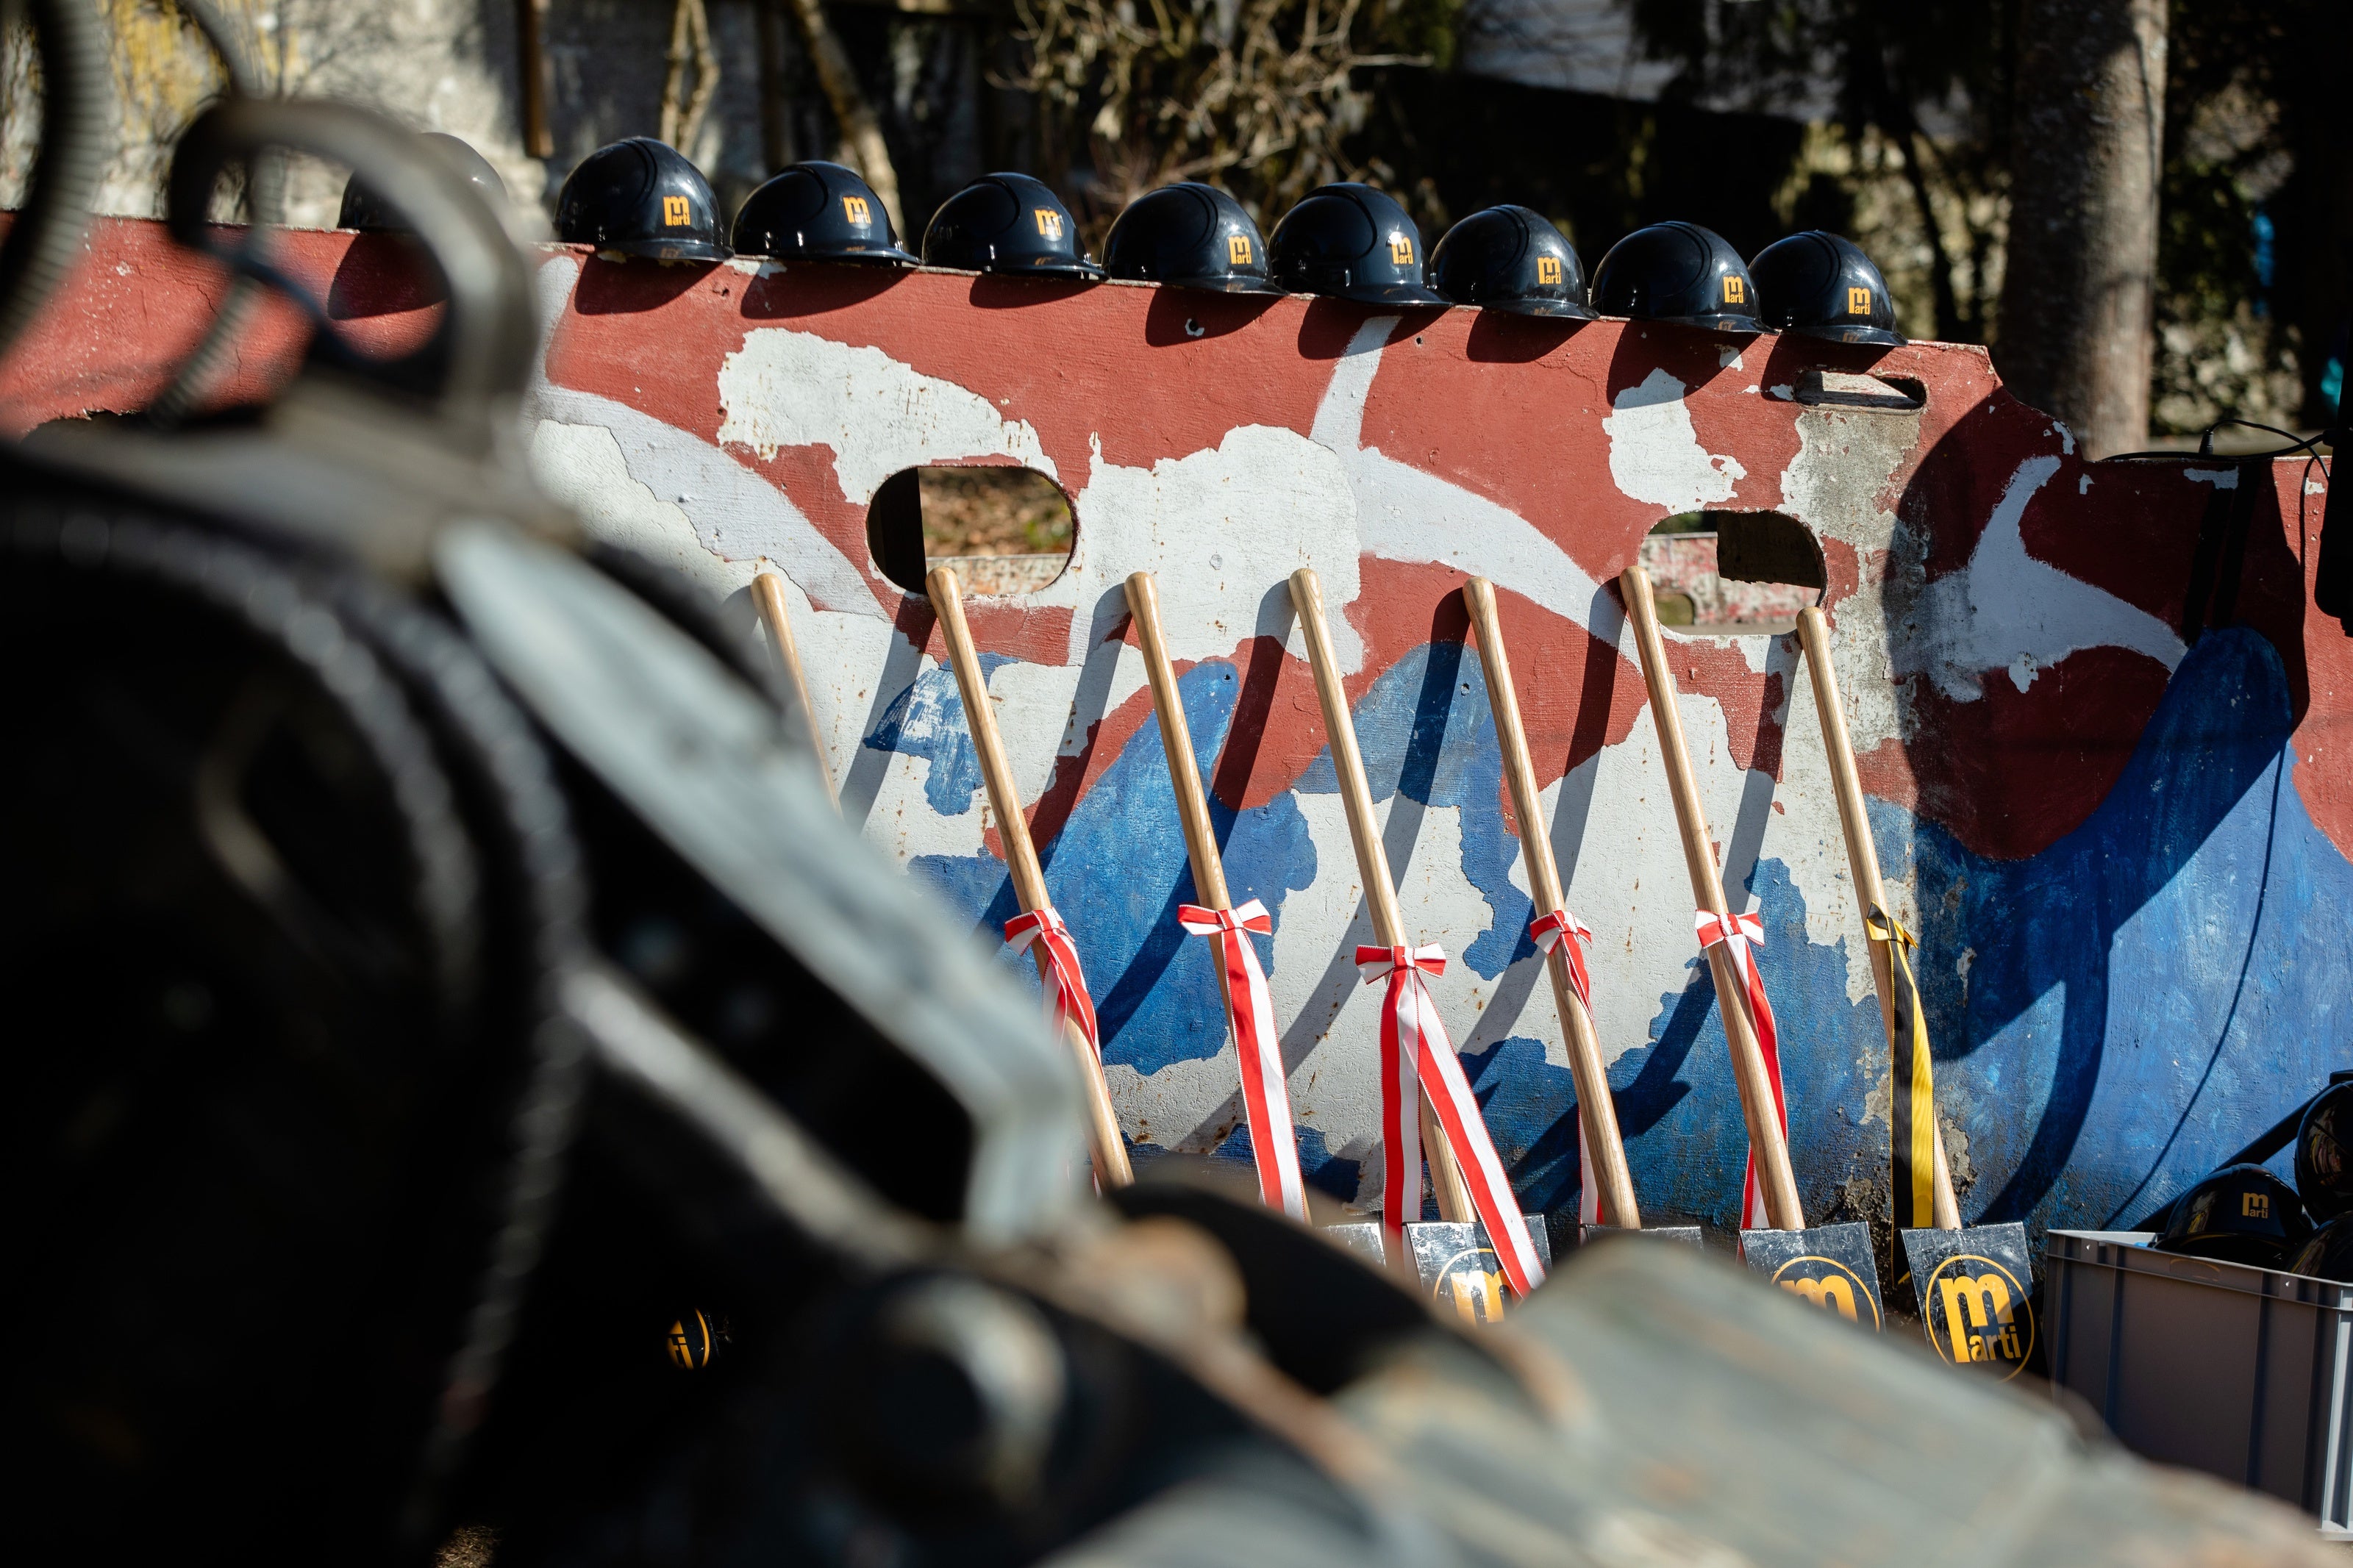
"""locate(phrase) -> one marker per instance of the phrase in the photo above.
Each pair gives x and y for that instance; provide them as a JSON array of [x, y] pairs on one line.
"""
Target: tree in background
[[2087, 157], [2047, 148], [1259, 96], [1918, 94]]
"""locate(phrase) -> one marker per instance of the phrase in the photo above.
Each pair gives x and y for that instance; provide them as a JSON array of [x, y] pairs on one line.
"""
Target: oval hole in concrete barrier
[[1005, 530], [1732, 574], [1880, 393]]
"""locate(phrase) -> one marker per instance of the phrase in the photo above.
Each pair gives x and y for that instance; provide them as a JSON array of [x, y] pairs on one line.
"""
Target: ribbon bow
[[1417, 1057], [1736, 935], [1911, 1121], [1563, 932], [1072, 1005], [1250, 1015]]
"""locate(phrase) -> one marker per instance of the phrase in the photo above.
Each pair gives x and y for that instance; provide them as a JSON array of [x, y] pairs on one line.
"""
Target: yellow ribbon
[[1913, 1108]]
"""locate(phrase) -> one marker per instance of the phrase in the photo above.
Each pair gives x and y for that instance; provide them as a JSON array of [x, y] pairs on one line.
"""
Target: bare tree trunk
[[2082, 271], [530, 61], [683, 109], [862, 134], [776, 131]]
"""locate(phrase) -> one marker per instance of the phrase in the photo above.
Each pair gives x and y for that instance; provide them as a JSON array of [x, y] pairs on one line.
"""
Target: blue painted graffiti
[[1121, 858], [1428, 734], [927, 721], [2145, 996]]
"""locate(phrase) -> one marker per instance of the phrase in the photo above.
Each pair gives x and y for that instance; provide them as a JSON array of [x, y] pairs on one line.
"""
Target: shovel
[[1975, 1286], [1830, 1267]]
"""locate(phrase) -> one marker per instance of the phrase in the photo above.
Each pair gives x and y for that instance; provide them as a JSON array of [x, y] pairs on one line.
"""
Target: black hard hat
[[817, 211], [1352, 242], [1509, 258], [364, 209], [640, 197], [1823, 286], [1188, 235], [1677, 272], [1006, 223], [2241, 1214], [2328, 1255], [2324, 1153]]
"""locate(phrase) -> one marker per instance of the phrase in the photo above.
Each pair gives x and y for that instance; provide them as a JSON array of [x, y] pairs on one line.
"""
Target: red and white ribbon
[[1250, 1014], [1069, 1000], [1415, 1051], [1738, 934], [1565, 932]]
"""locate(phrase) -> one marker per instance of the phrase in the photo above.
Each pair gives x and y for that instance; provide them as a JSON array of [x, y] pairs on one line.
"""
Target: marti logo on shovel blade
[[1977, 1311], [1471, 1281]]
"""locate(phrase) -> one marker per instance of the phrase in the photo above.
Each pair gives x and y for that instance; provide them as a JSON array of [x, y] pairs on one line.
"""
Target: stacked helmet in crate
[[2324, 1178], [2241, 1214]]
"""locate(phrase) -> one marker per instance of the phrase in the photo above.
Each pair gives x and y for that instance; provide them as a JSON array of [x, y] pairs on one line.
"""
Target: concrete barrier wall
[[2120, 829]]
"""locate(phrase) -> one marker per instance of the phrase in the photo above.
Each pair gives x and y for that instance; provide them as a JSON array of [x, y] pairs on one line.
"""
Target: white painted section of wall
[[1656, 456], [1221, 529], [1838, 485], [2010, 612], [877, 415], [1407, 514], [737, 515]]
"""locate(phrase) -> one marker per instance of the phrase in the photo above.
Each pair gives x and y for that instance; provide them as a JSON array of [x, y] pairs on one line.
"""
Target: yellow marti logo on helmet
[[1048, 221], [1238, 249], [692, 1339], [1547, 269], [674, 213], [1736, 293], [855, 209], [1401, 251], [1858, 301]]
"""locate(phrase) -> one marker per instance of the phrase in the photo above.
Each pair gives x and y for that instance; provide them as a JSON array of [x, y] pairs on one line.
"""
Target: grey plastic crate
[[2241, 1373]]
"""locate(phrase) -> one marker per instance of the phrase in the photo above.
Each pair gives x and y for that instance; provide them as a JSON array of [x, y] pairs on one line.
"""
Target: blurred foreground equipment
[[433, 959]]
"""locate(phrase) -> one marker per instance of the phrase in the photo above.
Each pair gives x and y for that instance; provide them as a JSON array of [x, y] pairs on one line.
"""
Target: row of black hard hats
[[2244, 1213], [641, 197]]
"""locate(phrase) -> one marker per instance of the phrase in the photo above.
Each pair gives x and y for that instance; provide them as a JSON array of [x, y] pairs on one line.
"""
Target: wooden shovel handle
[[1105, 1144], [768, 593], [1765, 1140], [1596, 1113], [1372, 859], [1863, 854], [1176, 740]]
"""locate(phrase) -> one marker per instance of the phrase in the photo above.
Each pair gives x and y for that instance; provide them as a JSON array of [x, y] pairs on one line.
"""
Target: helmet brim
[[1068, 271], [1225, 284], [1555, 309], [1740, 326], [667, 249], [1385, 294], [1878, 336], [871, 255]]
